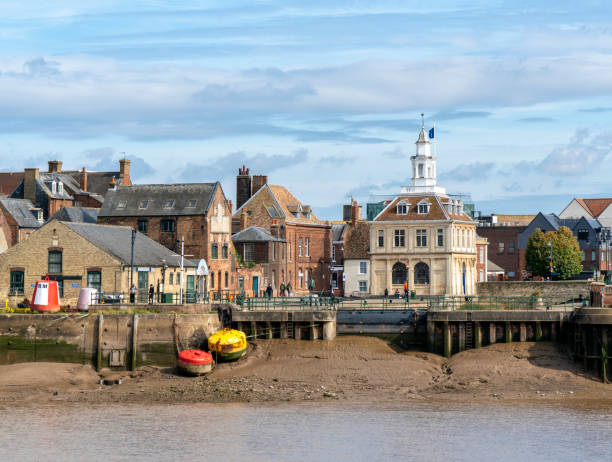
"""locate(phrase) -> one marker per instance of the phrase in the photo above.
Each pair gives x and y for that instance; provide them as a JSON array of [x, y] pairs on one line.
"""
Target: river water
[[290, 432]]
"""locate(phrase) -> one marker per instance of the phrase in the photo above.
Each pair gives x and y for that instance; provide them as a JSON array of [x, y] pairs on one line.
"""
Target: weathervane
[[422, 120]]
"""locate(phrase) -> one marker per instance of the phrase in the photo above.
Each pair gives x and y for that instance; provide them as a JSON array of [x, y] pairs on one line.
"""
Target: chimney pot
[[55, 166]]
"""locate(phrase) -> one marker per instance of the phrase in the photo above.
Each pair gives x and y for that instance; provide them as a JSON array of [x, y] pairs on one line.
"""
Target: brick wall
[[507, 258]]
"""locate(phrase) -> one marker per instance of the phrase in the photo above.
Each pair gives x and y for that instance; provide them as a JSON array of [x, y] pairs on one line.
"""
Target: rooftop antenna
[[123, 154]]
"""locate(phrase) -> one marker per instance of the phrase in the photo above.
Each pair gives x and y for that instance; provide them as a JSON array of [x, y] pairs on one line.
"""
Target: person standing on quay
[[133, 294], [151, 293]]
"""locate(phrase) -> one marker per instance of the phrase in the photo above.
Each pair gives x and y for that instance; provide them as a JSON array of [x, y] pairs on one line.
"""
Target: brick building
[[503, 249], [59, 188], [58, 249], [198, 213], [338, 234], [308, 240], [482, 245], [18, 219]]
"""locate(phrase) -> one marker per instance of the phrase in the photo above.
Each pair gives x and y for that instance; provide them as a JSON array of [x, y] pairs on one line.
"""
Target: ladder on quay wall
[[469, 335], [290, 333]]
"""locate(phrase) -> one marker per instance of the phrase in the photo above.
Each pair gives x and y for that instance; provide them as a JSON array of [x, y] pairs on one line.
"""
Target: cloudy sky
[[322, 96]]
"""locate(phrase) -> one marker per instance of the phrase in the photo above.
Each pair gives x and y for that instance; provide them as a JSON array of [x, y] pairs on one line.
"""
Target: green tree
[[567, 256], [537, 254]]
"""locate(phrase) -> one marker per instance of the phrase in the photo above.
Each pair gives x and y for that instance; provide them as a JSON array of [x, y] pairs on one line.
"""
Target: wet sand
[[350, 368]]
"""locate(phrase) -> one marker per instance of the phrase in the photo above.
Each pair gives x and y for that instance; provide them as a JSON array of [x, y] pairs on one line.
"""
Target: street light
[[550, 259]]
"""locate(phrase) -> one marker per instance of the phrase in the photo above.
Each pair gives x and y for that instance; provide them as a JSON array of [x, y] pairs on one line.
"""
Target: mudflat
[[349, 368]]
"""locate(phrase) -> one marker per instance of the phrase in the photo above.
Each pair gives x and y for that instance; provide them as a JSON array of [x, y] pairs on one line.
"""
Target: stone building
[[197, 213], [59, 188], [89, 255], [423, 237], [18, 219], [306, 261]]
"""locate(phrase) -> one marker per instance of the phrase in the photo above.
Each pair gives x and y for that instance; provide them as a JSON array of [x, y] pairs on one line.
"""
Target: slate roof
[[493, 268], [21, 211], [76, 214], [117, 241], [161, 200], [255, 234], [338, 231]]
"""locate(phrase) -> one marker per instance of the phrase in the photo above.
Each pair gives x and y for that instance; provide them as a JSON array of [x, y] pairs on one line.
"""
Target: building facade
[[18, 219]]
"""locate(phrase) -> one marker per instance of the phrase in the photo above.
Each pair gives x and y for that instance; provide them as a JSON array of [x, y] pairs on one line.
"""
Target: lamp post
[[550, 259]]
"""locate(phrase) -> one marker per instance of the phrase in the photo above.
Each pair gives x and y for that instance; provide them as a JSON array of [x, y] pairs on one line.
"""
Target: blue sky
[[322, 96]]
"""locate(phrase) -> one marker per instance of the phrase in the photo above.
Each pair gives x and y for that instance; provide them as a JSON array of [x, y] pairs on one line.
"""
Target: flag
[[431, 133]]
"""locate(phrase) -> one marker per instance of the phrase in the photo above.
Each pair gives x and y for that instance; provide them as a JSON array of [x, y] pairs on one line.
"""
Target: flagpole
[[435, 140]]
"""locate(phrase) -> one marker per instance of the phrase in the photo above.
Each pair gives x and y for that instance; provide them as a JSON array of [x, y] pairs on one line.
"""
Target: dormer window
[[143, 204], [423, 207], [121, 204], [402, 208], [169, 204], [192, 203], [60, 187], [54, 187]]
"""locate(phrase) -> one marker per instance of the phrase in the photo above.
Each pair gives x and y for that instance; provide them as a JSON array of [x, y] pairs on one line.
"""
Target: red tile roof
[[595, 206]]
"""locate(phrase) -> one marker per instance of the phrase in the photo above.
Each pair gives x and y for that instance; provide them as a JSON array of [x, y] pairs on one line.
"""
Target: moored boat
[[194, 362], [227, 344]]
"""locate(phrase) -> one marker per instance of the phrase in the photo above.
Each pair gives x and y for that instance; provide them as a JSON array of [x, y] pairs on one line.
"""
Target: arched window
[[399, 273], [421, 273]]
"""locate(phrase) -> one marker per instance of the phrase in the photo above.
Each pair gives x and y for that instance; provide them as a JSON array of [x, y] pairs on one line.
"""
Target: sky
[[324, 97]]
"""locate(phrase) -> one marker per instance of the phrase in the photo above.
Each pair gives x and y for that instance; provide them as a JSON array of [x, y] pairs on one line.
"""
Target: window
[[307, 246], [214, 251], [481, 275], [55, 262], [511, 274], [226, 279], [402, 208], [481, 255], [212, 280], [60, 187], [171, 279], [53, 187], [60, 287], [593, 255], [583, 234], [94, 280], [168, 225], [273, 250], [121, 204], [423, 207], [17, 282], [381, 238], [363, 286], [248, 252], [300, 247], [142, 226], [511, 248], [301, 278], [583, 256], [224, 251], [421, 238], [169, 204], [334, 280], [440, 238], [399, 274], [500, 248], [143, 204], [421, 273], [192, 203], [333, 252], [400, 238], [363, 267]]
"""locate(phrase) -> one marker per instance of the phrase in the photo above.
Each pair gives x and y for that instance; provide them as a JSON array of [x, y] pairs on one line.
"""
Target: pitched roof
[[158, 200], [21, 211], [9, 181], [338, 231], [594, 206], [437, 209], [255, 234], [117, 241], [493, 268], [76, 214]]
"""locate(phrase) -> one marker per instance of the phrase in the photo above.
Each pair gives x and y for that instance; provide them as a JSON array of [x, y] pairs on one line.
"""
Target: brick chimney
[[124, 172], [243, 186], [83, 183], [55, 166], [259, 181], [355, 213], [244, 220], [30, 175]]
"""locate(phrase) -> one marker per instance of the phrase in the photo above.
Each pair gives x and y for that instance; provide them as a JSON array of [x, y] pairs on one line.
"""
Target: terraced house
[[197, 213], [423, 238]]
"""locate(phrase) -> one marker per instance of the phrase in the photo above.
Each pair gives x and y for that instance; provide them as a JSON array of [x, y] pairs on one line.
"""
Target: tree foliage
[[566, 254]]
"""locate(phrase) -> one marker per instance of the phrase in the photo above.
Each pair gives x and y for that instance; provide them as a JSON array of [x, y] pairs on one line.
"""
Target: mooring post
[[284, 331], [604, 354], [448, 345], [508, 332], [100, 330], [461, 329], [523, 332], [538, 332], [269, 330], [253, 330], [478, 335], [314, 332], [134, 341]]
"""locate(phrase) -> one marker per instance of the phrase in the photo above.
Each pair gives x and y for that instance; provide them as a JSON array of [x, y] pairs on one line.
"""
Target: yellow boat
[[227, 344]]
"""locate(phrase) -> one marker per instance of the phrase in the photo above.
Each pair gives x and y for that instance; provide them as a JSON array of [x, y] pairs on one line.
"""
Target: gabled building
[[196, 213], [57, 188], [18, 219], [308, 240], [595, 208], [338, 233], [76, 214], [423, 238]]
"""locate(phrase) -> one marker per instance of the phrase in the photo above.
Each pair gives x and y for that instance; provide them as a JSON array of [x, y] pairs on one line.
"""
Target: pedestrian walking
[[133, 294], [282, 289], [289, 289], [386, 293], [151, 293]]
